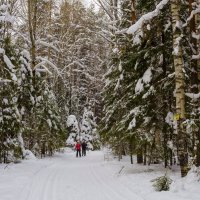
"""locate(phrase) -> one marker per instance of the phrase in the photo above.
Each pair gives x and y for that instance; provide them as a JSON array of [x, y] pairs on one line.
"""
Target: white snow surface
[[95, 177]]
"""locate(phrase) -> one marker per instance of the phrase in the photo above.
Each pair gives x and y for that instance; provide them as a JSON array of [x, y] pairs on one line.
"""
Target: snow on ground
[[65, 177]]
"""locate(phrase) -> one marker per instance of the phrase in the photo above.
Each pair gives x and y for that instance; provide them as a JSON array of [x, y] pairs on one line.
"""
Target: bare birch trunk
[[180, 93]]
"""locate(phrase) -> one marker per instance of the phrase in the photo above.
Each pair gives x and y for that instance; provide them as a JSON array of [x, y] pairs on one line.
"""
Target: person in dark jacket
[[84, 147], [78, 149]]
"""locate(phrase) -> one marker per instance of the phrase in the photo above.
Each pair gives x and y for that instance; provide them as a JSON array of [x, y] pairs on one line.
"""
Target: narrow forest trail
[[71, 178]]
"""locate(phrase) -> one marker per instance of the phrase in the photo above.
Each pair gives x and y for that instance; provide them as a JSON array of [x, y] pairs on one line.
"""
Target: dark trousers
[[78, 152], [83, 152]]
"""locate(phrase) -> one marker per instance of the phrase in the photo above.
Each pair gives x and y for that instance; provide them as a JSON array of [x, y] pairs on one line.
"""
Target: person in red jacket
[[78, 149]]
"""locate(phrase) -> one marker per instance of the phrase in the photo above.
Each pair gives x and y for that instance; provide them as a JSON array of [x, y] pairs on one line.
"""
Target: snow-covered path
[[76, 178], [65, 177]]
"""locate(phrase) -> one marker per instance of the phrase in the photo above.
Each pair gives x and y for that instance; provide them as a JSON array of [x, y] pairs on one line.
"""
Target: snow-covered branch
[[46, 61], [136, 29], [41, 68], [46, 44], [193, 96]]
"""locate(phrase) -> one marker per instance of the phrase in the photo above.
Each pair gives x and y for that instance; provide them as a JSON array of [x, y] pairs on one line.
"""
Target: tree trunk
[[179, 82], [70, 91], [145, 153], [21, 143], [198, 44], [131, 156], [198, 150], [193, 41], [32, 21], [133, 11], [131, 149], [165, 149], [139, 156], [120, 149], [197, 23], [115, 10], [165, 106], [49, 24], [194, 71]]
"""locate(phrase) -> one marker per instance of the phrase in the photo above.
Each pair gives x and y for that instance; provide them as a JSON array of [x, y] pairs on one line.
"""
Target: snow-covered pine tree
[[197, 22], [148, 76], [79, 61], [60, 37], [70, 20], [10, 145], [88, 129], [153, 79], [110, 130], [36, 73], [119, 91], [193, 91], [49, 130], [147, 72], [73, 130], [26, 98]]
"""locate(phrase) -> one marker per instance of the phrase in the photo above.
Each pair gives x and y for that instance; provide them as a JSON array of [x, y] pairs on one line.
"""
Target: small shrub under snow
[[162, 183]]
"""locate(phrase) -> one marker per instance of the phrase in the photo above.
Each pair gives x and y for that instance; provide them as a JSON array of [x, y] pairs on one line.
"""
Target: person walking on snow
[[84, 146], [78, 149]]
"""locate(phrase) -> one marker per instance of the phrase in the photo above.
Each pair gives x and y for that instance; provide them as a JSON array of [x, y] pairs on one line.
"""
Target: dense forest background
[[133, 64], [52, 62]]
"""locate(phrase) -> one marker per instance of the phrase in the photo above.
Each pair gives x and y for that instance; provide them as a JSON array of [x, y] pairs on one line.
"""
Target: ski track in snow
[[74, 178], [65, 177], [112, 186]]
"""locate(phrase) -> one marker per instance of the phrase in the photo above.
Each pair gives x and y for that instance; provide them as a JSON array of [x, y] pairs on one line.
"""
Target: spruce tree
[[88, 129], [10, 146]]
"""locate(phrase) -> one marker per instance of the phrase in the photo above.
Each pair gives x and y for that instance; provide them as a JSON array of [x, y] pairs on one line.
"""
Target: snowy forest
[[124, 74], [52, 61]]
